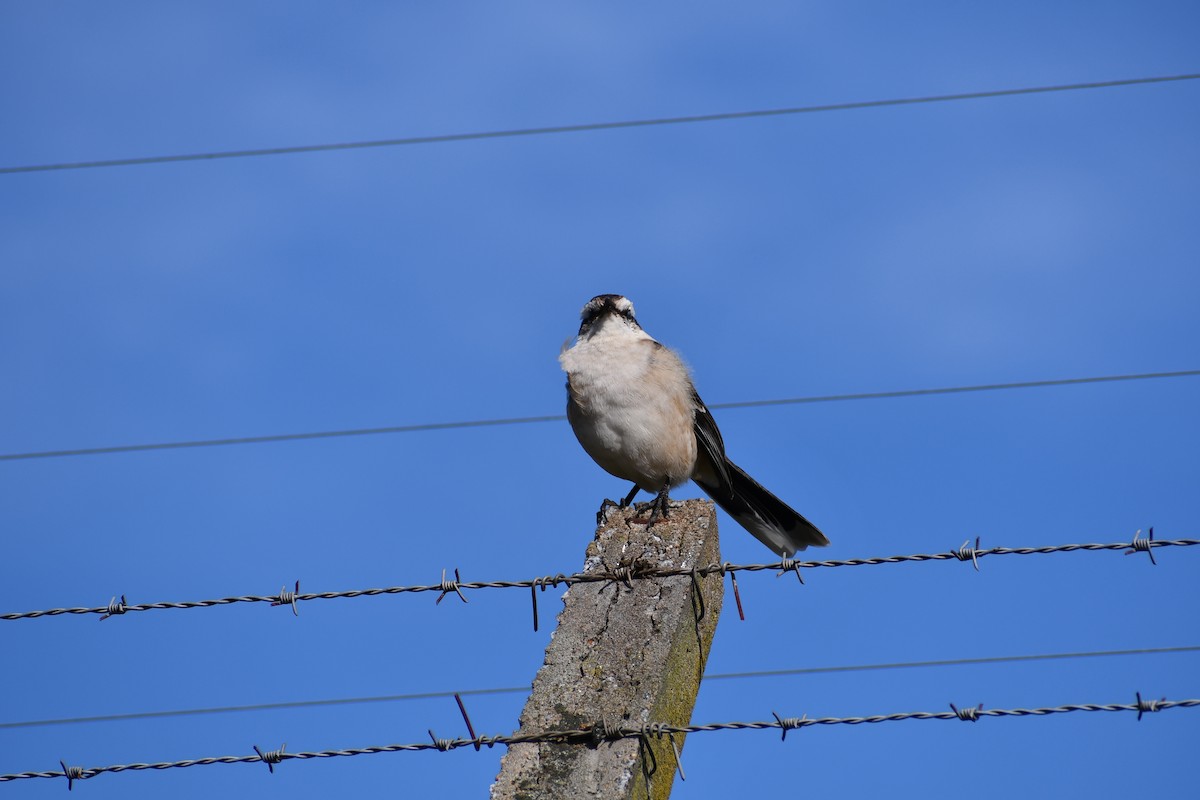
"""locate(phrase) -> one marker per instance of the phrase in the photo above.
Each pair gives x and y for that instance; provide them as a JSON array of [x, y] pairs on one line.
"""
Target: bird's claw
[[659, 508], [602, 514]]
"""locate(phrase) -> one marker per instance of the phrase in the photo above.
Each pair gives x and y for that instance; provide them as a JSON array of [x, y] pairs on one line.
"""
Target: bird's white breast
[[631, 406]]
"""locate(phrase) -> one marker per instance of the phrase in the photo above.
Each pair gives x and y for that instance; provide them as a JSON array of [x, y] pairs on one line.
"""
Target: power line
[[625, 575], [336, 701], [984, 387], [591, 126], [605, 731], [485, 423], [774, 673], [951, 662]]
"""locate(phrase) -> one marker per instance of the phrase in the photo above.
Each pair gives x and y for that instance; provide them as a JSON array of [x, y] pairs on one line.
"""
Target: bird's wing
[[710, 447]]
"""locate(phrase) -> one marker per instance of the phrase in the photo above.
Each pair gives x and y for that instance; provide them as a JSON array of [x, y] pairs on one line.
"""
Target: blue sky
[[1011, 239]]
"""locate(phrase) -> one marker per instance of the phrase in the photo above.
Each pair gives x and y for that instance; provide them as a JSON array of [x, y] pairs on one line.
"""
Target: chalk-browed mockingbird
[[632, 405]]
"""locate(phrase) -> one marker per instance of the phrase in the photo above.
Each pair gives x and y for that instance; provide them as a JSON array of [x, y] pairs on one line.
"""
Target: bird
[[634, 409]]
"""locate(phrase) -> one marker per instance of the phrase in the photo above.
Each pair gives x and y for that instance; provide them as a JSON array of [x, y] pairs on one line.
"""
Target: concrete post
[[625, 656]]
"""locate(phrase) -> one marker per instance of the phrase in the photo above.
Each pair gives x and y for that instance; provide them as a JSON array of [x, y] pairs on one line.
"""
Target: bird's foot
[[659, 508], [602, 514]]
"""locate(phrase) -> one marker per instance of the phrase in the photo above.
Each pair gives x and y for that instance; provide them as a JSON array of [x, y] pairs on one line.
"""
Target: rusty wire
[[966, 552], [606, 730]]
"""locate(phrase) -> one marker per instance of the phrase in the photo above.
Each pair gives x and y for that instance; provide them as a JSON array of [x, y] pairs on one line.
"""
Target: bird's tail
[[772, 521]]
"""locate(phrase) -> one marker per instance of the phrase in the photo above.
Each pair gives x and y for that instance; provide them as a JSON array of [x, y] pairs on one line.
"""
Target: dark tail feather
[[772, 521]]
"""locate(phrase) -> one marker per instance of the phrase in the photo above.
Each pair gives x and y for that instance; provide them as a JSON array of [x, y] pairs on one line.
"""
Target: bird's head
[[606, 309]]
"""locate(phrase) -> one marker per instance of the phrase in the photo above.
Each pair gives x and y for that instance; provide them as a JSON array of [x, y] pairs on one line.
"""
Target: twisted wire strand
[[625, 575], [606, 731]]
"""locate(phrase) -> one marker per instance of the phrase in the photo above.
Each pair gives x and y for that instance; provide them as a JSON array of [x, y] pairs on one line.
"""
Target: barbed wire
[[624, 574], [605, 730]]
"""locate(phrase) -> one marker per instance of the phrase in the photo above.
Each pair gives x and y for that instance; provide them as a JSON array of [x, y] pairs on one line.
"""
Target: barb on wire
[[287, 598], [606, 730], [789, 723], [622, 575], [441, 745], [968, 553], [72, 774], [790, 565], [450, 586], [1147, 706], [272, 757], [114, 608], [967, 713], [1142, 544]]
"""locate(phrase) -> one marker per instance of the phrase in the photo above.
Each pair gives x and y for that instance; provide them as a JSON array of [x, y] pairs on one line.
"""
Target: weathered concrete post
[[625, 656]]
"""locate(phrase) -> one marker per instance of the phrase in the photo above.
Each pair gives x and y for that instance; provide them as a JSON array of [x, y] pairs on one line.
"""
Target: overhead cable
[[769, 673], [484, 423], [590, 126]]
